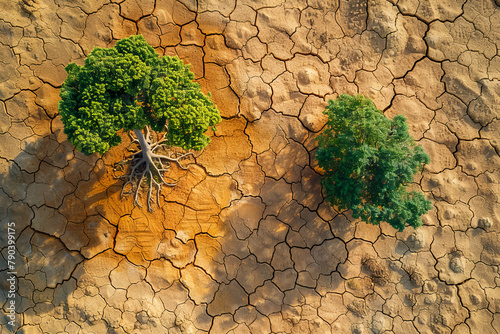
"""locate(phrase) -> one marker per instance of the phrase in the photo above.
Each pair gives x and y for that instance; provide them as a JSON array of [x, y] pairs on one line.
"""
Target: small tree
[[368, 160], [131, 87]]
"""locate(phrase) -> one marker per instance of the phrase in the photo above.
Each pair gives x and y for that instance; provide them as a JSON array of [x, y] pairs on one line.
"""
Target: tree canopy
[[128, 87], [368, 161]]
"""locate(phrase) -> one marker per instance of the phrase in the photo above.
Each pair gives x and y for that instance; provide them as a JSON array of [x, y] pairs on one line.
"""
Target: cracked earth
[[245, 243]]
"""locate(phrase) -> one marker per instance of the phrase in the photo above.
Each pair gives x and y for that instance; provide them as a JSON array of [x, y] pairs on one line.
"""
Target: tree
[[368, 161], [130, 87]]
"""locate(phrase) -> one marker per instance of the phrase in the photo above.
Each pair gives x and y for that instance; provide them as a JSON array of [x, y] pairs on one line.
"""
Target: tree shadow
[[58, 222], [75, 234]]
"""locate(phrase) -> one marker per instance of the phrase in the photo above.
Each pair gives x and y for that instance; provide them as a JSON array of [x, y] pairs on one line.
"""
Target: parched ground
[[246, 243]]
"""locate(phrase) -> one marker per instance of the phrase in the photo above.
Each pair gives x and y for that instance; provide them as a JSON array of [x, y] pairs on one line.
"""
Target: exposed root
[[148, 167]]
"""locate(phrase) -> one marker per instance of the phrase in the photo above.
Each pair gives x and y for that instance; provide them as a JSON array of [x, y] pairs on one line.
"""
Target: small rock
[[416, 240], [358, 307], [410, 299], [484, 223], [414, 275], [454, 268], [311, 73], [29, 6], [358, 328], [457, 264], [429, 287], [429, 300]]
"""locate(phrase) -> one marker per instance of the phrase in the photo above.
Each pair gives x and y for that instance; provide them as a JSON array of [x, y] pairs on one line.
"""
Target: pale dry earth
[[245, 243]]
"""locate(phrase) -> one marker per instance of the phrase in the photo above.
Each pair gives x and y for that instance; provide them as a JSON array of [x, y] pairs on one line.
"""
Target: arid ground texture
[[245, 243]]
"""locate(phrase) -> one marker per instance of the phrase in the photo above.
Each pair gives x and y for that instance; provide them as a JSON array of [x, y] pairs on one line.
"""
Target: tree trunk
[[145, 147]]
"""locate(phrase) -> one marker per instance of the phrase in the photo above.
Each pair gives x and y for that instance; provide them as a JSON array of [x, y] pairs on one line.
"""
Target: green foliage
[[128, 87], [368, 160]]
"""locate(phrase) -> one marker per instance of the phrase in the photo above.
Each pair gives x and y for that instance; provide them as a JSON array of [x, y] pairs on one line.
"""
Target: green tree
[[368, 161], [130, 87]]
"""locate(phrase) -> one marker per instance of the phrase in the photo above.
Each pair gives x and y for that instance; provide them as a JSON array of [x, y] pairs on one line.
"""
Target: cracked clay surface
[[245, 242]]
